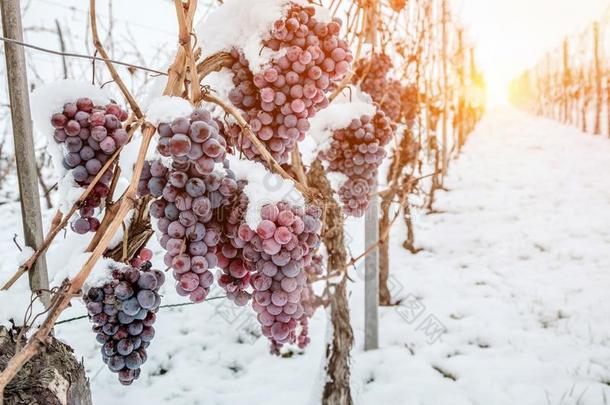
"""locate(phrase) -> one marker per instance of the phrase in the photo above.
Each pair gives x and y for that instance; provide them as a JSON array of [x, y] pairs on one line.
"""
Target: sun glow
[[510, 36]]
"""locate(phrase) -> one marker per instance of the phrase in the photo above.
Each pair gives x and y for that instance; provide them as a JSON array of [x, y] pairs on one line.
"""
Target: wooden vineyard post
[[566, 84], [598, 81], [445, 93], [24, 143], [371, 274], [608, 105], [462, 86], [371, 234]]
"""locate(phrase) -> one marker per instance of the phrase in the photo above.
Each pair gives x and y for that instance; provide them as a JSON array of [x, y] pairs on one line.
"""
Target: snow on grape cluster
[[357, 152], [89, 135], [123, 312], [279, 101]]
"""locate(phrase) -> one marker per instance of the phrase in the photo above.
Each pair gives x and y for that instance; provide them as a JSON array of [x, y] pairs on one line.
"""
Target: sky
[[512, 35]]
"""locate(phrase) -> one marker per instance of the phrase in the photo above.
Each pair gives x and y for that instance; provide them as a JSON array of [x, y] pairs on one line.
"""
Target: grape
[[357, 152], [88, 137], [81, 226], [279, 101], [129, 303], [146, 299]]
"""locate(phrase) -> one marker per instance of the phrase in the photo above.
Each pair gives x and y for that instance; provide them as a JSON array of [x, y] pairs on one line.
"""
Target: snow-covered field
[[507, 304]]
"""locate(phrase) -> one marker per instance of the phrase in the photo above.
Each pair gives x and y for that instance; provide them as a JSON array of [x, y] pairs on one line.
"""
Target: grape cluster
[[185, 211], [372, 74], [391, 101], [279, 249], [279, 101], [409, 105], [89, 135], [123, 312], [357, 152], [198, 139]]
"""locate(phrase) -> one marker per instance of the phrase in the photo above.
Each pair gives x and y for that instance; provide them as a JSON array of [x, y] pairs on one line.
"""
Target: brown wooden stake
[[597, 130], [445, 90], [16, 72], [567, 81]]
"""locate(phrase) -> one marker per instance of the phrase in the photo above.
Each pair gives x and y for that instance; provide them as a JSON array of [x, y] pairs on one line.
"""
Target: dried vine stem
[[185, 23], [273, 164], [115, 76], [297, 166], [214, 63]]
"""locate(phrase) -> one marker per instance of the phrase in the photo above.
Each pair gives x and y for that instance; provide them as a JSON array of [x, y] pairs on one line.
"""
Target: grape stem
[[273, 164], [115, 75], [184, 36]]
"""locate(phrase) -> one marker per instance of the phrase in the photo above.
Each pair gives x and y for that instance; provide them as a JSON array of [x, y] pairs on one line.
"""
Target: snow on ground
[[507, 304], [515, 268]]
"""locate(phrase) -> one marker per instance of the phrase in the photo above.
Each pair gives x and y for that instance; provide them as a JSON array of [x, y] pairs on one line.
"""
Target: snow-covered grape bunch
[[123, 313], [357, 152], [185, 209], [197, 139], [280, 99], [280, 247], [89, 135]]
